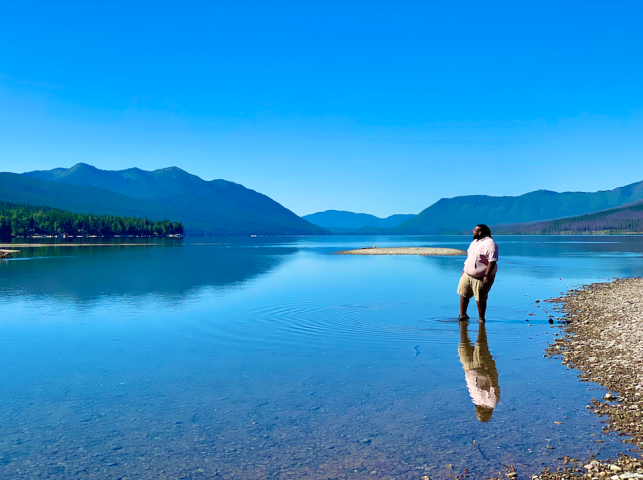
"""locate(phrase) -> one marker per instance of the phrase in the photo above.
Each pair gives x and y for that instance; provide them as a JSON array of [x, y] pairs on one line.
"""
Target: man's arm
[[490, 268]]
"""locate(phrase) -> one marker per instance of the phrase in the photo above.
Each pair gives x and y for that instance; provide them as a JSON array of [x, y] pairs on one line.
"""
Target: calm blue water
[[273, 358]]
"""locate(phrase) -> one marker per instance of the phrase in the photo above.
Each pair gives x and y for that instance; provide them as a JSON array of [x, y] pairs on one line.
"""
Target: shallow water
[[272, 358]]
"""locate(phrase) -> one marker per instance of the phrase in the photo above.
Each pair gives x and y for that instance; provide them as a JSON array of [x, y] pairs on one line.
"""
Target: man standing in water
[[479, 272]]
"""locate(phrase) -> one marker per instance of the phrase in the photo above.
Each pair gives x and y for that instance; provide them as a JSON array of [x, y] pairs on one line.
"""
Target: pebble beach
[[603, 339]]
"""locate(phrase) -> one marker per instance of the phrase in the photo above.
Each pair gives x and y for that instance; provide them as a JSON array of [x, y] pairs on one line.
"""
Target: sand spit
[[440, 252], [603, 338]]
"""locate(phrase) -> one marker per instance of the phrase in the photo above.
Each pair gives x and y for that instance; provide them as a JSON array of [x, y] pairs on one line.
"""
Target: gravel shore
[[603, 339], [441, 252]]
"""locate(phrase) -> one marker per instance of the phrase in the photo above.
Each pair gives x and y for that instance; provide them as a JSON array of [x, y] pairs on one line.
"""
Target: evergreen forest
[[26, 220], [616, 221]]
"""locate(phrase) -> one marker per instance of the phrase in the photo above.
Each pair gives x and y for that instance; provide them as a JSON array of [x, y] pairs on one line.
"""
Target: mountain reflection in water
[[480, 371], [85, 274]]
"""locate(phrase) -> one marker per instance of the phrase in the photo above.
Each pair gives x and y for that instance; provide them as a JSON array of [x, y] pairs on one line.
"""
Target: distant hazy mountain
[[456, 214], [338, 221], [218, 207], [626, 219]]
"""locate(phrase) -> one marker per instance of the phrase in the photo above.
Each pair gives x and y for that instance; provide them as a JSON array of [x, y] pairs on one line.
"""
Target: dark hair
[[484, 230], [483, 413]]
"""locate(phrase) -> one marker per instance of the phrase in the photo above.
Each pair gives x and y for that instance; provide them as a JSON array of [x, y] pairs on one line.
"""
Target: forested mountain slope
[[455, 214], [620, 220], [216, 207]]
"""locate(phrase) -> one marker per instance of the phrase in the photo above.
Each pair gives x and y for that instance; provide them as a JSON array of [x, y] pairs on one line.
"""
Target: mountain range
[[451, 215], [216, 207], [339, 221], [221, 207]]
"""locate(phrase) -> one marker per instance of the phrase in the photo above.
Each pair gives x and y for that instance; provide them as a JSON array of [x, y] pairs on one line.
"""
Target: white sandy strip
[[442, 252]]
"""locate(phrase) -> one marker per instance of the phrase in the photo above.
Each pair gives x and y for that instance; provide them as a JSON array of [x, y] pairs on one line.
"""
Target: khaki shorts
[[474, 287]]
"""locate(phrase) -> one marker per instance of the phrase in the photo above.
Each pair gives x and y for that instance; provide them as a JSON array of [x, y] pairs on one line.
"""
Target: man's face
[[476, 233]]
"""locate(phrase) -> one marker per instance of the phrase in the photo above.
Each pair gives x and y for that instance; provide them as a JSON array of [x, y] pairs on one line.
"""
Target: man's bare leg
[[482, 309], [464, 333], [464, 304]]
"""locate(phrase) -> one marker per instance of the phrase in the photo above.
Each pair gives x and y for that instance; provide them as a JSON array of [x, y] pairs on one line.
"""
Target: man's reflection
[[480, 372]]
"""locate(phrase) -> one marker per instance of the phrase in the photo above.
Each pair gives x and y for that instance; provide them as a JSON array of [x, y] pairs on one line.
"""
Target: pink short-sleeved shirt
[[479, 254]]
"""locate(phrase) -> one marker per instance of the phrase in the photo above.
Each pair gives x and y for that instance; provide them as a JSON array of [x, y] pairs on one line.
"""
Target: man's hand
[[490, 267]]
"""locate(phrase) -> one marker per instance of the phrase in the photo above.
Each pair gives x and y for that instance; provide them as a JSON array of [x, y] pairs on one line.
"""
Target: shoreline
[[27, 245], [602, 338]]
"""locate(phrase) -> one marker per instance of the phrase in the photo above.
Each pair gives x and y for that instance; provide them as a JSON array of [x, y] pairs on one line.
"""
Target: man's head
[[481, 231], [483, 413]]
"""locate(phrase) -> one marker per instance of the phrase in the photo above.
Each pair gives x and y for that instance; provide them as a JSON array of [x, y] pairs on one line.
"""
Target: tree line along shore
[[18, 220]]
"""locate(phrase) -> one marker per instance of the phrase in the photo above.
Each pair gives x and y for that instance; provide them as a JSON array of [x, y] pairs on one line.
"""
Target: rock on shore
[[604, 340], [603, 327]]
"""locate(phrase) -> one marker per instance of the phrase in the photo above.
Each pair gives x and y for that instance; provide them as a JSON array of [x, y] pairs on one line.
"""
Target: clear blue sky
[[376, 107]]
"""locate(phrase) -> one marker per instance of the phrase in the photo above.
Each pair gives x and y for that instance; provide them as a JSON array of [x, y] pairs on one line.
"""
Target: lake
[[272, 358]]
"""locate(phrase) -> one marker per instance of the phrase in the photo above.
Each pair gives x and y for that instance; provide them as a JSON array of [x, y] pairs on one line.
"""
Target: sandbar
[[425, 251]]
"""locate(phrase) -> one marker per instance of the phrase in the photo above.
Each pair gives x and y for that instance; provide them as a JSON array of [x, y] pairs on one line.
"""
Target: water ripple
[[306, 323]]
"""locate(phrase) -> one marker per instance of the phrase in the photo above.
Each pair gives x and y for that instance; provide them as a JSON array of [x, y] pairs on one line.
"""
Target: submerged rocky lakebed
[[272, 358]]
